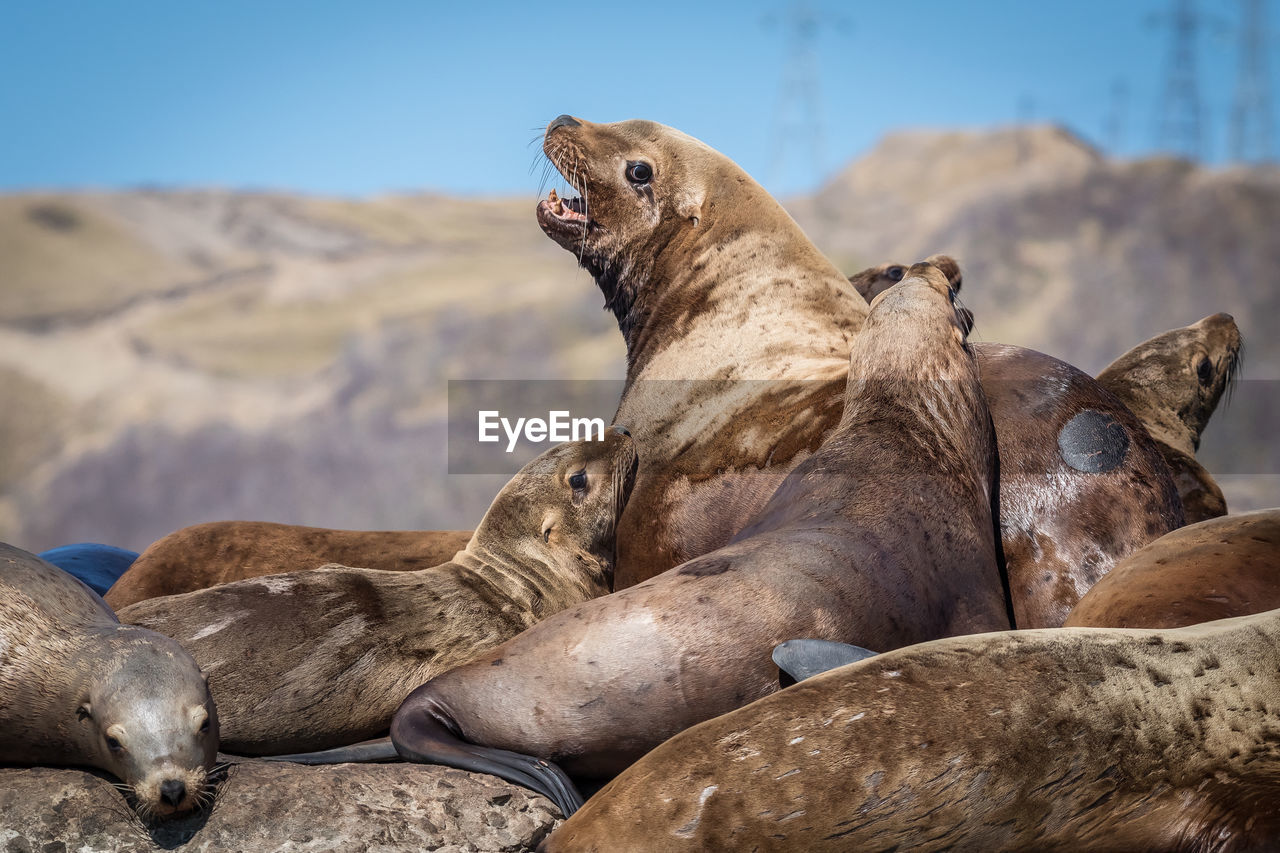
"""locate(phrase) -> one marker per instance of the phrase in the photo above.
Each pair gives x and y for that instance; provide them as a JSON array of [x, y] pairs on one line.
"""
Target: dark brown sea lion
[[203, 555], [1216, 569], [882, 538], [738, 332], [79, 688], [1173, 383], [320, 658], [1062, 739]]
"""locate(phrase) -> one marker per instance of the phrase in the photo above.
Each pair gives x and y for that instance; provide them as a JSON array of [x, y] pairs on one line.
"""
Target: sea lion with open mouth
[[738, 332]]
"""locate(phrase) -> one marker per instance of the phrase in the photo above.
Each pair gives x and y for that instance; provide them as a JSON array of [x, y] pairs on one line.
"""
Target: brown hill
[[176, 357]]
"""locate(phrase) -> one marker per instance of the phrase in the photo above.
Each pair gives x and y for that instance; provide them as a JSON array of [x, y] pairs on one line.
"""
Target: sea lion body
[[314, 659], [1060, 739], [79, 688], [204, 555], [882, 537], [1216, 569], [738, 332], [1173, 383]]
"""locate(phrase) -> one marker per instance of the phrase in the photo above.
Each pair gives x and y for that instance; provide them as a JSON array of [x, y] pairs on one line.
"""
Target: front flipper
[[801, 659], [378, 749], [421, 735]]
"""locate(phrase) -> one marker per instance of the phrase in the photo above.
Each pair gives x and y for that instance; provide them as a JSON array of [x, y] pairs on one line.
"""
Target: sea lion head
[[152, 723], [1178, 378], [926, 299], [562, 509], [649, 195], [873, 281]]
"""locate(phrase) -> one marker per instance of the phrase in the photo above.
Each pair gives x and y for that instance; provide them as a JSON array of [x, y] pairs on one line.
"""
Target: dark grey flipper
[[379, 749], [801, 659], [421, 736]]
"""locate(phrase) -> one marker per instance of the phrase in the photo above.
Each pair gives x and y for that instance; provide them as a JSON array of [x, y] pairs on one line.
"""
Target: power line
[[1251, 111], [1117, 118], [798, 116]]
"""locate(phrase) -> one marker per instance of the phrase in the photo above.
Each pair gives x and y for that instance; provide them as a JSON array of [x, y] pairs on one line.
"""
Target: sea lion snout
[[563, 121]]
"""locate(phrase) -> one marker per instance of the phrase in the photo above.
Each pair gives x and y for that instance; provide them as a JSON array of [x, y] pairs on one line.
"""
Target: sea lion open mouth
[[564, 219]]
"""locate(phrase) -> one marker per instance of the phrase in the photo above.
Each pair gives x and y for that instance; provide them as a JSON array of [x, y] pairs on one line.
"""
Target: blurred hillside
[[180, 356]]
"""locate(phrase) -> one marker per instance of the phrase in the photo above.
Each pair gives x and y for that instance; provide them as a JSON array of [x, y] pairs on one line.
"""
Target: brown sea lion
[[203, 555], [1061, 739], [319, 658], [79, 688], [1215, 569], [738, 332], [882, 538], [1173, 383]]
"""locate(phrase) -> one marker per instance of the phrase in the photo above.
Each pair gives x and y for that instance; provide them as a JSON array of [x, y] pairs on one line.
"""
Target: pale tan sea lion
[[1173, 383], [1068, 739], [203, 555], [79, 688], [1216, 569], [738, 332], [882, 538], [314, 659]]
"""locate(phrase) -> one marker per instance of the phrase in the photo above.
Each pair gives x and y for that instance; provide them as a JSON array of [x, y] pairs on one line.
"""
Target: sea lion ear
[[689, 208]]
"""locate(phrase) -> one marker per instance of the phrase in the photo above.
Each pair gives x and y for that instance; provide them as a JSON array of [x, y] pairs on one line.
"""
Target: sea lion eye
[[895, 273], [114, 745], [1204, 370], [578, 480], [639, 173]]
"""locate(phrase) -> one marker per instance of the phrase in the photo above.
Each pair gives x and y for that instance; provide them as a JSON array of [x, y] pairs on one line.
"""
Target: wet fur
[[1066, 739]]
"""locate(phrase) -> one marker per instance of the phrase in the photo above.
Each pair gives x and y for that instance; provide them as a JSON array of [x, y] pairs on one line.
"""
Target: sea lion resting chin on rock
[[738, 332], [314, 659], [204, 555], [79, 688], [1173, 382], [1057, 739], [882, 538]]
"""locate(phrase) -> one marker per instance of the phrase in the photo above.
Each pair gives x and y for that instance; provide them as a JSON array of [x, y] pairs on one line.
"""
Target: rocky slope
[[183, 356]]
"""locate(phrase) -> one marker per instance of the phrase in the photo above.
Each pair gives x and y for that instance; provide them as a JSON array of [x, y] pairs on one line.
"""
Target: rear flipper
[[801, 659], [421, 735], [378, 749]]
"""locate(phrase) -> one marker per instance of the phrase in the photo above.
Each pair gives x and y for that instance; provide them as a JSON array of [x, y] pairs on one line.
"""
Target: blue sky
[[360, 98]]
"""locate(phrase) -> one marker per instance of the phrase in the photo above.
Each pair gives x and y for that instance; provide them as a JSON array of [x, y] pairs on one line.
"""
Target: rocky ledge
[[263, 806]]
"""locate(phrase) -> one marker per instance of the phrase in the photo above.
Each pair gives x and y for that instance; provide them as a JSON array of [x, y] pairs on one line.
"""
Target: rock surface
[[262, 806]]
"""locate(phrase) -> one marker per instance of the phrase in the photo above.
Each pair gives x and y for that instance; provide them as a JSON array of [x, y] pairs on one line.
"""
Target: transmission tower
[[798, 118], [1113, 126], [1179, 126], [1251, 111]]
